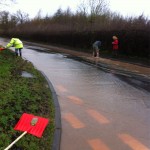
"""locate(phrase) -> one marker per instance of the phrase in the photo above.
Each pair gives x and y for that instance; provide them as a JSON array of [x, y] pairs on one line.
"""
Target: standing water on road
[[98, 110]]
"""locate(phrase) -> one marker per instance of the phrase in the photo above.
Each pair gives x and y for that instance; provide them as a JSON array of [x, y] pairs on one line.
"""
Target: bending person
[[96, 48], [17, 43]]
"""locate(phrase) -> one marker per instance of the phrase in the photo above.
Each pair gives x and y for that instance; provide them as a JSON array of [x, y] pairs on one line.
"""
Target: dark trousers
[[18, 51], [114, 53]]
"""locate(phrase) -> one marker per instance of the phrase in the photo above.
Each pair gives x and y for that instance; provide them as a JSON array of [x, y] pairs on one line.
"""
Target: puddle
[[26, 74]]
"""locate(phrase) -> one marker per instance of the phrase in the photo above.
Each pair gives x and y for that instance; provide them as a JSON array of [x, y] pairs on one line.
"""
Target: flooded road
[[99, 111]]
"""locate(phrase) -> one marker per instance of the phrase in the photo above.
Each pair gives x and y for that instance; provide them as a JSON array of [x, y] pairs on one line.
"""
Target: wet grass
[[20, 95]]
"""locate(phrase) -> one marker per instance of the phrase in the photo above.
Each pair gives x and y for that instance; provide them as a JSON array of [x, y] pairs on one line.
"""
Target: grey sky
[[124, 7]]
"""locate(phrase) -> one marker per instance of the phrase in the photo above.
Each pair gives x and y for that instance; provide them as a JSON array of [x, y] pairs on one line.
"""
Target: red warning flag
[[1, 48], [24, 124]]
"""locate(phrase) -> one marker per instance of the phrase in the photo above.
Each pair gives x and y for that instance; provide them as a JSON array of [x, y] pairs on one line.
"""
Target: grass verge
[[20, 95]]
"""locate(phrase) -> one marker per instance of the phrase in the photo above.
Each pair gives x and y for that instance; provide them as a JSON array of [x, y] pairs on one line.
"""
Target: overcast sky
[[124, 7]]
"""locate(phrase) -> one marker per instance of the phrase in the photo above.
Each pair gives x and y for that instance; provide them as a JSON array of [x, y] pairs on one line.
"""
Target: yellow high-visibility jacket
[[15, 42]]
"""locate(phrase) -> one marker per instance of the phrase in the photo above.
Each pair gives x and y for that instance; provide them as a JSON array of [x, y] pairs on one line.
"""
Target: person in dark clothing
[[96, 48]]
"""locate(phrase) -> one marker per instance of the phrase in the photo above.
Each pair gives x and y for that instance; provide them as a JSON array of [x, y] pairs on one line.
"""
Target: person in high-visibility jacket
[[17, 43]]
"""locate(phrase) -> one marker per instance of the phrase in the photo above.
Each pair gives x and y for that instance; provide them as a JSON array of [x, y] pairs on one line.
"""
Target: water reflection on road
[[99, 111]]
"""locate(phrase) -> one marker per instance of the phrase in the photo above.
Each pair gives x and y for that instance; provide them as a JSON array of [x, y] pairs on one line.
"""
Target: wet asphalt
[[99, 109]]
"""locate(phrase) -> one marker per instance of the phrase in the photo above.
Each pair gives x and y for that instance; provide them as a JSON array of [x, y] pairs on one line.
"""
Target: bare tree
[[83, 8], [4, 20], [13, 21], [4, 17], [98, 7], [58, 13], [22, 17], [93, 7]]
